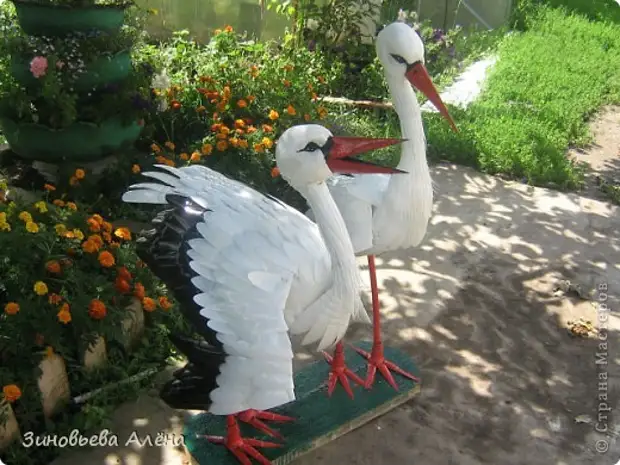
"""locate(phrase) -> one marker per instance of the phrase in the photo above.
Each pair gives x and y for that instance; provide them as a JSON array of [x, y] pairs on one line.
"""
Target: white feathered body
[[262, 270]]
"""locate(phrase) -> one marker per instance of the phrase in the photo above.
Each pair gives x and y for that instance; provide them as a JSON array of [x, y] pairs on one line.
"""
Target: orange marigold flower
[[98, 218], [93, 225], [123, 233], [107, 226], [164, 303], [291, 110], [228, 29], [96, 238], [106, 259], [195, 157], [221, 145], [286, 83], [221, 136], [12, 308], [273, 115], [251, 98], [215, 127], [170, 145], [53, 267], [90, 246], [251, 130], [275, 172], [97, 309], [243, 143], [242, 103], [155, 148], [233, 141], [64, 315], [54, 299], [58, 203], [148, 304], [72, 206], [184, 156], [259, 148], [161, 159], [206, 149], [124, 273], [49, 187], [217, 31], [11, 393], [80, 173], [239, 124], [175, 104], [122, 286], [138, 291], [267, 128], [135, 169], [107, 236], [73, 181]]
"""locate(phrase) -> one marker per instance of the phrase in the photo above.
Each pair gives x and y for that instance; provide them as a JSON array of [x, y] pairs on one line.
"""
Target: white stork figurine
[[247, 270], [384, 212]]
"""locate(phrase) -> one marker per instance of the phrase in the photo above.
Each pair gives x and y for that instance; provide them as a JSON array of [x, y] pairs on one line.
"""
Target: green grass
[[536, 102]]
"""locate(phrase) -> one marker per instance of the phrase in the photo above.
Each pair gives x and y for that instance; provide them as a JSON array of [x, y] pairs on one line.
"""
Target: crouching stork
[[247, 270]]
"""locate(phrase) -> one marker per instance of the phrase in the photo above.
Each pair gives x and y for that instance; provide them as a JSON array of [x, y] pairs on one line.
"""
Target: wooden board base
[[319, 419]]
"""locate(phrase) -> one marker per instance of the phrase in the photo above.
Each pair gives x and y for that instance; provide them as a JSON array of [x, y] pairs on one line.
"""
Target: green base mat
[[319, 419]]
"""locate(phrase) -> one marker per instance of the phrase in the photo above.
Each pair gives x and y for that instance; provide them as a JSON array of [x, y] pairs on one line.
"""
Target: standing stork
[[247, 270], [384, 212]]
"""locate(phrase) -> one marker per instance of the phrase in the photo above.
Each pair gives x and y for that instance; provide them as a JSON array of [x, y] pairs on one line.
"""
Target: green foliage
[[51, 98], [548, 80], [225, 103], [598, 10]]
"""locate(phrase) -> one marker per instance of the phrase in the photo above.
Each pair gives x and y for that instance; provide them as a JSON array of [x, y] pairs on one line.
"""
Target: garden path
[[484, 309]]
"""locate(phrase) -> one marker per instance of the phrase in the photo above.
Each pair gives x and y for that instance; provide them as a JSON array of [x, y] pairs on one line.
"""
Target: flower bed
[[78, 296]]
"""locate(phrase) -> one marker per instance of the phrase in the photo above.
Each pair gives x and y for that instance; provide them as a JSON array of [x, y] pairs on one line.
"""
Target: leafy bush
[[225, 103], [54, 66]]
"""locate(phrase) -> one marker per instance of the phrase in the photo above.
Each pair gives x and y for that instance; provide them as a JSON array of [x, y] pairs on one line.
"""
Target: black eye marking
[[310, 147], [399, 59]]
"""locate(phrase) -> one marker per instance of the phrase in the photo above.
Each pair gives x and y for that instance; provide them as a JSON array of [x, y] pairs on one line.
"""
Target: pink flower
[[60, 64], [38, 66]]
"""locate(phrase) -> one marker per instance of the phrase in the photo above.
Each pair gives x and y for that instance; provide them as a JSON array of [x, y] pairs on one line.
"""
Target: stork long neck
[[413, 151], [334, 232]]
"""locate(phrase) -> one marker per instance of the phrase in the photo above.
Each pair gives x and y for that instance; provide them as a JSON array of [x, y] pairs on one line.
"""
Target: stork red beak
[[418, 77], [340, 151]]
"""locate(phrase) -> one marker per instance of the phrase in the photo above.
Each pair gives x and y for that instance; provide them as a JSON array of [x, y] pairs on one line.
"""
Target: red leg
[[242, 447], [255, 418], [376, 359], [339, 372]]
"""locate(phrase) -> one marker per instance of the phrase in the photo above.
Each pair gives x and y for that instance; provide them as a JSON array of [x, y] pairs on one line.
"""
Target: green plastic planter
[[79, 142], [105, 70], [53, 20]]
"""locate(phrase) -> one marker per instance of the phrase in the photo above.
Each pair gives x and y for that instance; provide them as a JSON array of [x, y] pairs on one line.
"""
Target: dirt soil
[[504, 307]]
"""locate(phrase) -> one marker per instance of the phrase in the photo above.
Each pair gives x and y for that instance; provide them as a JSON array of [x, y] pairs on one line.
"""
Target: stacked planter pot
[[81, 141]]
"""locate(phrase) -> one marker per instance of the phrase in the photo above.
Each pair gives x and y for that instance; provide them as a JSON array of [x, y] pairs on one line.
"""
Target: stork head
[[401, 53], [310, 154]]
